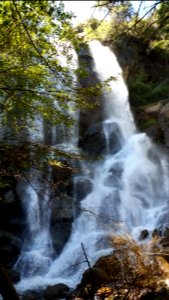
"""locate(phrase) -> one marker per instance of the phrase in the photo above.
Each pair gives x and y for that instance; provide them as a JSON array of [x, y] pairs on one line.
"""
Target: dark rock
[[14, 275], [10, 196], [60, 234], [29, 297], [57, 291], [7, 256], [10, 208], [115, 138], [116, 169], [33, 295], [71, 295], [162, 294], [62, 209], [97, 274], [94, 141], [89, 117], [7, 289], [7, 238], [105, 270], [83, 187], [166, 232], [10, 247], [144, 234], [154, 132]]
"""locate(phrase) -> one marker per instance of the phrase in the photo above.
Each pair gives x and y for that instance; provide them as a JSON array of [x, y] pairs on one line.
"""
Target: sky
[[84, 9]]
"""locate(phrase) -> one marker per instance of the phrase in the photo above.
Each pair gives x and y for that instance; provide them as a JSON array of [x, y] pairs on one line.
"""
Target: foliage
[[133, 269], [144, 91], [39, 80], [30, 67], [36, 40], [146, 37]]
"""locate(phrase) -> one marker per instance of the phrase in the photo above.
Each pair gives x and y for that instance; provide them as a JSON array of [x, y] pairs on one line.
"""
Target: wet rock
[[57, 291], [89, 117], [60, 234], [114, 137], [144, 234], [94, 141], [83, 187], [116, 169], [62, 208], [111, 180]]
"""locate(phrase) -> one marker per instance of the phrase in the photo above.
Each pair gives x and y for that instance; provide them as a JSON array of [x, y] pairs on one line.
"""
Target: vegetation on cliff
[[141, 44]]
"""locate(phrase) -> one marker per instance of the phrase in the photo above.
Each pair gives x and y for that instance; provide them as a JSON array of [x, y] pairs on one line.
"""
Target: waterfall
[[128, 188]]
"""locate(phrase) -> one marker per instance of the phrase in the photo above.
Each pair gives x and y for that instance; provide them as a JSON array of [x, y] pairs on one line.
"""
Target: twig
[[92, 279]]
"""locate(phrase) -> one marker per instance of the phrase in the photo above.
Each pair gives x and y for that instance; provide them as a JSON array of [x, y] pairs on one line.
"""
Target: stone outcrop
[[89, 117]]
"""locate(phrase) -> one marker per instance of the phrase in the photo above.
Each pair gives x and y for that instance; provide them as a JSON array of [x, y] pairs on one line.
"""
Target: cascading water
[[37, 251], [129, 185]]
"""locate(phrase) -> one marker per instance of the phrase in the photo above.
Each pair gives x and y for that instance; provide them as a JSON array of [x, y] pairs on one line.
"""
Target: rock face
[[89, 117], [62, 206], [94, 141], [83, 186], [11, 228]]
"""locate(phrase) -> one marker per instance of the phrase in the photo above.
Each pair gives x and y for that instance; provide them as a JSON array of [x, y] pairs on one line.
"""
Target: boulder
[[57, 291], [105, 270], [82, 187], [60, 234], [114, 137], [94, 141]]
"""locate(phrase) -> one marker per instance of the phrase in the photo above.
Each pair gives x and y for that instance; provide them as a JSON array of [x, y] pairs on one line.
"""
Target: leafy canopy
[[34, 36]]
